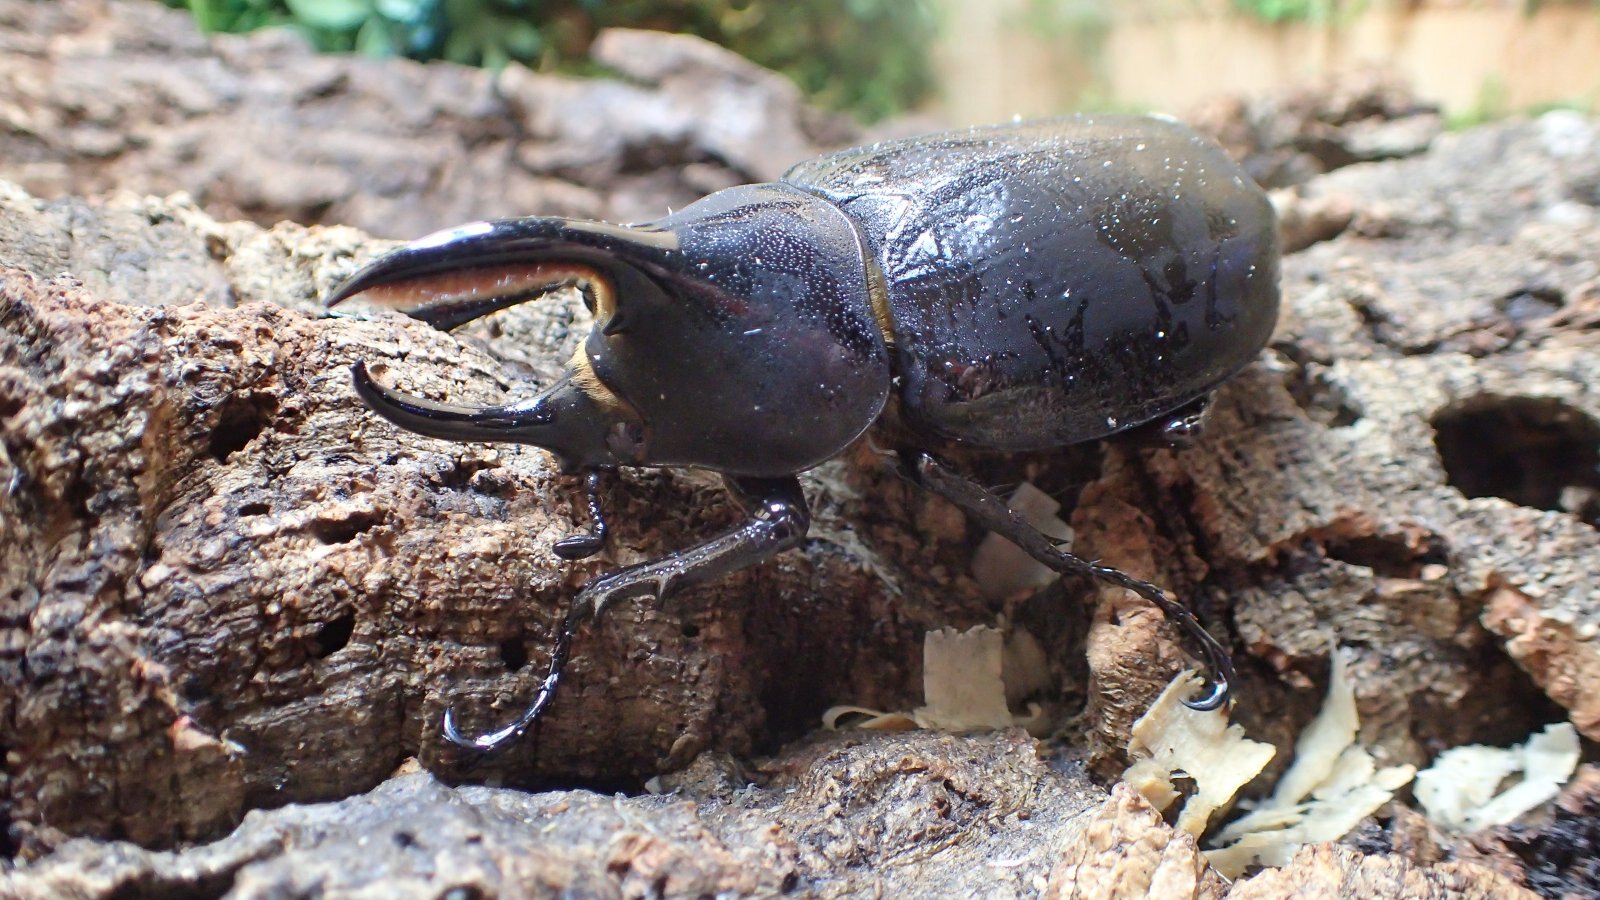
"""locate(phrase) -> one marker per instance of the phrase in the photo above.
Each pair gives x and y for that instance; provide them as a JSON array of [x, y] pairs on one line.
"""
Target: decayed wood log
[[224, 587]]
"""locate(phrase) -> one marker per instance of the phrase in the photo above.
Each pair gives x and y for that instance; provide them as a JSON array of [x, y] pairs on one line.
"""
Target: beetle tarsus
[[1177, 430], [994, 514], [498, 740], [1183, 428], [779, 520], [583, 546]]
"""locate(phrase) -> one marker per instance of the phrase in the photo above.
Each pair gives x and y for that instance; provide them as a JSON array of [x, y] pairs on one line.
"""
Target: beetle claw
[[495, 741], [1218, 689]]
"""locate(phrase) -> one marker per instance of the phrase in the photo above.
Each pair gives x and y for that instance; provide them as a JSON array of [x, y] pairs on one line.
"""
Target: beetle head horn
[[563, 419], [455, 276]]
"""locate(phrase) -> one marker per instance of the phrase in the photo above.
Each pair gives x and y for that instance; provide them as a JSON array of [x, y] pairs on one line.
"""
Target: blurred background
[[971, 61], [354, 112]]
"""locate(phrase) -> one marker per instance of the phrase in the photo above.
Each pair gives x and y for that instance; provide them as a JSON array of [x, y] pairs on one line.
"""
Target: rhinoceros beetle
[[1009, 288]]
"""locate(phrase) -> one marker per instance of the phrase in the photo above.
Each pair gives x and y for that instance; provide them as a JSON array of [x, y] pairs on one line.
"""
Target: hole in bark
[[690, 630], [514, 653], [346, 529], [240, 419], [254, 509], [1537, 452], [1532, 303], [1504, 707], [334, 635], [78, 494], [405, 840], [471, 474], [193, 689], [1389, 555]]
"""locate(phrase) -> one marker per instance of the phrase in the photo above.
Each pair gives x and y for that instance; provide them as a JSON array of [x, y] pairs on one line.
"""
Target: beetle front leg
[[779, 520], [583, 546], [992, 513]]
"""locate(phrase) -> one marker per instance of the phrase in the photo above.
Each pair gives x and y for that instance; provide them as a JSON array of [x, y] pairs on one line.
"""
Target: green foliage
[[1286, 10], [866, 56]]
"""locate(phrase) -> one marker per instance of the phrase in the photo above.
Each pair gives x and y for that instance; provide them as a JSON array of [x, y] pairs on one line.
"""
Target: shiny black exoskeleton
[[1009, 288]]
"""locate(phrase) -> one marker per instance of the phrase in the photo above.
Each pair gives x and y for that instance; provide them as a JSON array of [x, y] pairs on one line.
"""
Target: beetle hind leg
[[778, 520], [992, 513]]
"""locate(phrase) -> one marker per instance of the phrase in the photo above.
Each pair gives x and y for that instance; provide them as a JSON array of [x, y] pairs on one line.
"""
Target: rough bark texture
[[907, 815], [100, 94], [1127, 849], [225, 589], [1329, 871], [1288, 138]]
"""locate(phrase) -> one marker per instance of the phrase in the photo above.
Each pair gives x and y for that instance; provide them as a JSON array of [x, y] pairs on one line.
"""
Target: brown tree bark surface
[[228, 593]]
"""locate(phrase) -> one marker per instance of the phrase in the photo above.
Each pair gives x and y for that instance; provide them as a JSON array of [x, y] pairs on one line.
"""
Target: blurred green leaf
[[1285, 10], [208, 14], [406, 12], [377, 38], [493, 56], [522, 40], [461, 47], [331, 15]]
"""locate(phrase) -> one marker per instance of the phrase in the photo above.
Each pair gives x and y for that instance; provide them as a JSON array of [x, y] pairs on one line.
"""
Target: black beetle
[[1016, 287]]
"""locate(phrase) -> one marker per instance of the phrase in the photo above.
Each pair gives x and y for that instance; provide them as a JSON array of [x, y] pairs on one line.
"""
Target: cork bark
[[233, 604]]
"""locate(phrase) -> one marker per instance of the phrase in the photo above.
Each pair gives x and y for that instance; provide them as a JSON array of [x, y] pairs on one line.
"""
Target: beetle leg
[[1184, 427], [582, 546], [1179, 429], [992, 513], [779, 519]]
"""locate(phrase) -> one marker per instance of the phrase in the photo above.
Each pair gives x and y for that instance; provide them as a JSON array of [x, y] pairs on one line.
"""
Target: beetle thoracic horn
[[452, 277]]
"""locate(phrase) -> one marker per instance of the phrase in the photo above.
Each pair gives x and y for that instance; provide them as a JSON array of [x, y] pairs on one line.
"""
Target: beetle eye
[[600, 296]]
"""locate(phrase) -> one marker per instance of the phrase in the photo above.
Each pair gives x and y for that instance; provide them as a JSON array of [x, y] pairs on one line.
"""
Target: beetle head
[[738, 335]]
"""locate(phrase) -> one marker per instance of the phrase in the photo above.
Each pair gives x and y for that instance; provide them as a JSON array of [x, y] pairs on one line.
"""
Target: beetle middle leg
[[779, 520], [992, 513]]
